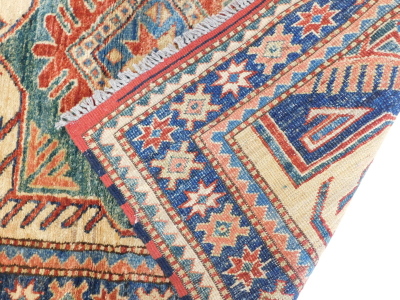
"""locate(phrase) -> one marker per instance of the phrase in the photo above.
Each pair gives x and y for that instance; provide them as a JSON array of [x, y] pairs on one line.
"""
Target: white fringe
[[151, 61]]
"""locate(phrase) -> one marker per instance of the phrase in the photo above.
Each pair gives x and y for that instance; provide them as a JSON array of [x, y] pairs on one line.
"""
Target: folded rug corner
[[235, 157]]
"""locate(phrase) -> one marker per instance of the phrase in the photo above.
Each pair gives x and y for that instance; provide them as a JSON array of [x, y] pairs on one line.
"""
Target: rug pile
[[221, 142], [62, 235]]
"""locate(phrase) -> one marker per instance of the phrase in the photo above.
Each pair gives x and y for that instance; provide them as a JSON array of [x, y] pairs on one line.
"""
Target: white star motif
[[234, 77], [203, 199]]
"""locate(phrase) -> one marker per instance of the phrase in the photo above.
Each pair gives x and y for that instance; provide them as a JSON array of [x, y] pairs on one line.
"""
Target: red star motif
[[248, 267], [314, 20], [156, 133]]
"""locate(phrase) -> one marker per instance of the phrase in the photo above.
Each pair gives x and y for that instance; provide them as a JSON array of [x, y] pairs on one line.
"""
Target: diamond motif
[[313, 21], [114, 56], [155, 133], [223, 229], [248, 267], [195, 107], [274, 49], [234, 77], [158, 13], [177, 165], [203, 199]]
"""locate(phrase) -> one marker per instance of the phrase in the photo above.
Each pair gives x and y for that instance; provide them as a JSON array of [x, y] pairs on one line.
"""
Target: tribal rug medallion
[[235, 158], [62, 236]]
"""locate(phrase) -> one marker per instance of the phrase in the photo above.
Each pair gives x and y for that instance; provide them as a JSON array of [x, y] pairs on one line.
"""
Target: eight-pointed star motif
[[203, 199], [234, 77], [157, 132], [248, 267], [274, 49], [314, 20], [196, 107]]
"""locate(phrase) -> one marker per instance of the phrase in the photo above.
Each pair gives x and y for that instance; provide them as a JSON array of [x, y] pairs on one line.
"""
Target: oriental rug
[[62, 236], [236, 157]]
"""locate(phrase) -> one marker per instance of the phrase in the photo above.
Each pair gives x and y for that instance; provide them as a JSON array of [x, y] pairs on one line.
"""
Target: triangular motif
[[336, 120]]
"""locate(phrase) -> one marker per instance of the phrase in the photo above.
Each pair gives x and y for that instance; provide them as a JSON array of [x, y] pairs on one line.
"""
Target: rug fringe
[[150, 61]]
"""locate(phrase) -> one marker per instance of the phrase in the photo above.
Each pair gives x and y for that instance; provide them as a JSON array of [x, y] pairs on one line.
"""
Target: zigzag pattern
[[55, 287], [60, 263], [293, 251], [40, 216], [213, 140], [47, 211], [137, 180], [318, 58], [230, 168], [321, 57], [175, 240]]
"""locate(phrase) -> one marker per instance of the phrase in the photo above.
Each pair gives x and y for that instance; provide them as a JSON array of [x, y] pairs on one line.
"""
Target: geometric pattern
[[23, 292], [335, 122], [316, 19], [115, 294], [274, 49], [247, 268], [177, 165], [317, 221], [222, 230], [62, 234], [203, 198], [90, 54], [196, 107], [278, 294], [234, 77], [316, 143], [156, 133], [53, 288], [270, 123]]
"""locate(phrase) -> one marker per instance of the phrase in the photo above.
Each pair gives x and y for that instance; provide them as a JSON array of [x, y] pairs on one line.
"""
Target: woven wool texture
[[62, 236], [236, 158]]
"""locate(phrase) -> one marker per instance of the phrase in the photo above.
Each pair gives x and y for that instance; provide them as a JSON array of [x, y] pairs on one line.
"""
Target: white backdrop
[[362, 261]]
